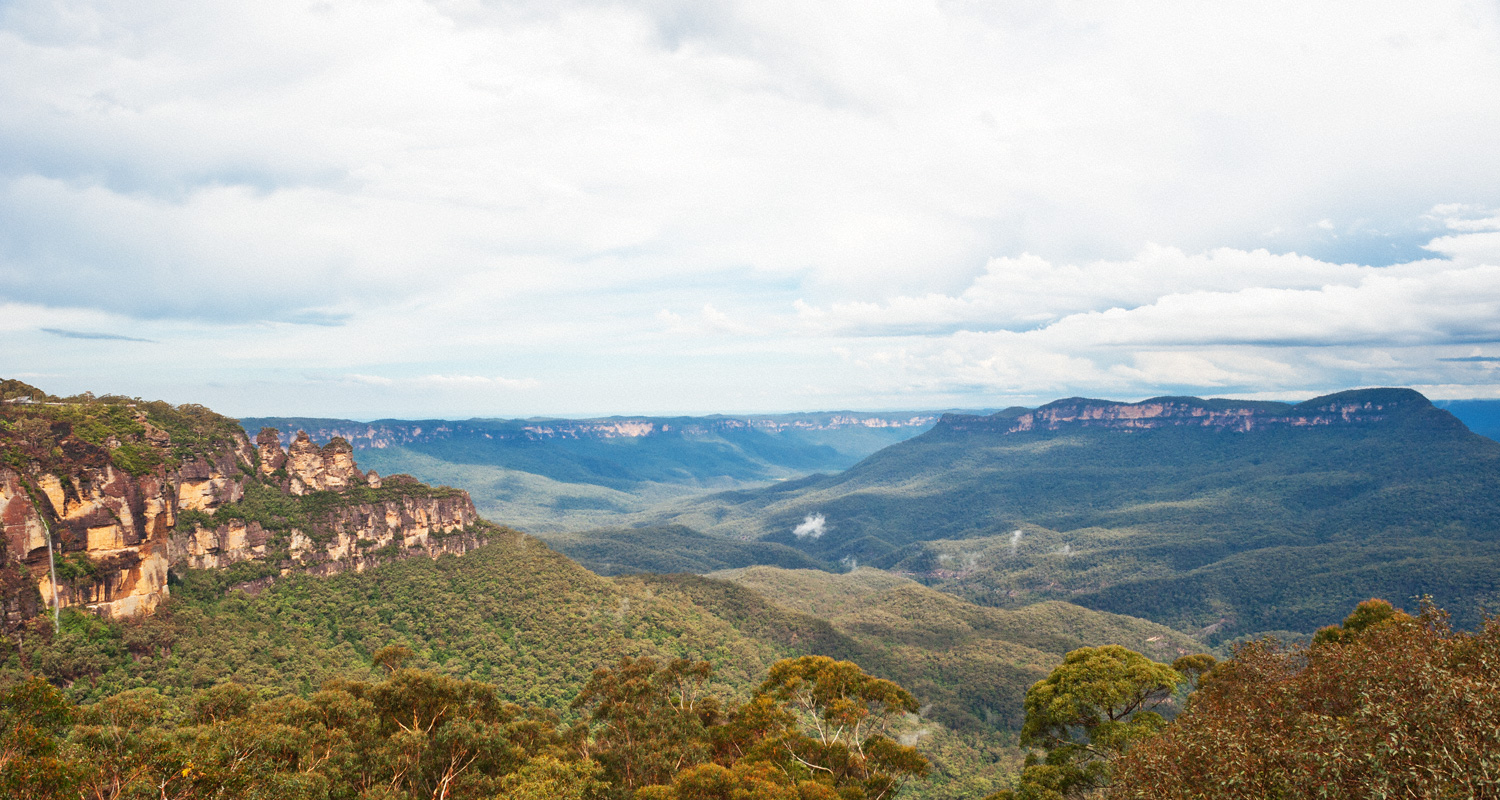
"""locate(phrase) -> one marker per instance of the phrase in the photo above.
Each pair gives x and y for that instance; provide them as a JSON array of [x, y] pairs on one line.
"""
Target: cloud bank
[[664, 206]]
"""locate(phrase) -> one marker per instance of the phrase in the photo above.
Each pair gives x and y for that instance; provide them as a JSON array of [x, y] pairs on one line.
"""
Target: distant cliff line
[[1347, 408], [394, 433]]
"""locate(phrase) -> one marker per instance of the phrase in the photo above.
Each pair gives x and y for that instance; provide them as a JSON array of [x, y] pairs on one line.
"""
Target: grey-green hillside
[[670, 548], [518, 615], [1224, 515], [970, 663]]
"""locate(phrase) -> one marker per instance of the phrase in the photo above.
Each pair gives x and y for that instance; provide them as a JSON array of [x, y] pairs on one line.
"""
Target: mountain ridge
[[1353, 406], [1121, 505], [382, 433]]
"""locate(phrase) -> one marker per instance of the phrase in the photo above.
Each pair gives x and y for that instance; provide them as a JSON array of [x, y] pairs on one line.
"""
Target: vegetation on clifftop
[[55, 432]]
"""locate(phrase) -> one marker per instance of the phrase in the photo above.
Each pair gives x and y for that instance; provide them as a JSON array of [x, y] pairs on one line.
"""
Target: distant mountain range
[[570, 474], [1481, 416], [1220, 517]]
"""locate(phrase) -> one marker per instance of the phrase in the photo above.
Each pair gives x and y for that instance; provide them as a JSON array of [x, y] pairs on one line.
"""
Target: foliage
[[11, 389], [845, 719], [195, 430], [74, 566], [512, 613], [136, 459], [136, 436], [669, 549], [971, 665], [1366, 615], [649, 733], [267, 505], [413, 735], [1092, 708], [1396, 705], [550, 778], [647, 722], [33, 714]]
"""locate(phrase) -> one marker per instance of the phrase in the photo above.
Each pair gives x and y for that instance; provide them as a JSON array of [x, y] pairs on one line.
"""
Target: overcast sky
[[464, 207]]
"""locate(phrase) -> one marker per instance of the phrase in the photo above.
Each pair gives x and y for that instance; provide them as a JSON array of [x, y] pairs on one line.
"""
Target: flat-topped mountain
[[1206, 514], [1354, 407]]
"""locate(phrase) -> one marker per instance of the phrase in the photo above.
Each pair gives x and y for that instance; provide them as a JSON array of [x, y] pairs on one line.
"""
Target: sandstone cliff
[[396, 433], [130, 490], [1354, 407]]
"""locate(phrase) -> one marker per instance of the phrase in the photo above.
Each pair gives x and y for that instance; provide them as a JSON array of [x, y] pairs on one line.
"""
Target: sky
[[455, 208]]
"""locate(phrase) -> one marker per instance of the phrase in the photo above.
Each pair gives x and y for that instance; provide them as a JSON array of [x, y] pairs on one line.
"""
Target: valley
[[1218, 518], [962, 559], [1223, 519], [549, 475]]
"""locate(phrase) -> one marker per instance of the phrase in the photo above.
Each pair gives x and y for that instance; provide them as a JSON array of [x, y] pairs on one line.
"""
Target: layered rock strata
[[352, 536], [115, 534], [110, 529], [1355, 407]]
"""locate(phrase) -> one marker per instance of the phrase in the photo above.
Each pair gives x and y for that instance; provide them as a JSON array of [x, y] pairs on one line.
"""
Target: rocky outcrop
[[203, 483], [123, 503], [328, 468], [109, 528], [269, 455], [1355, 407], [407, 520]]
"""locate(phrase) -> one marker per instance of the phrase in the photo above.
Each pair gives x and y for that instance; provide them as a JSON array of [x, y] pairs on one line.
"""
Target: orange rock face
[[328, 468], [120, 523], [123, 530]]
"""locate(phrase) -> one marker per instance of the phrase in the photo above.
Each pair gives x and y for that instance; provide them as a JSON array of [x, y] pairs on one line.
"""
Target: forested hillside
[[534, 625], [1232, 518], [291, 611]]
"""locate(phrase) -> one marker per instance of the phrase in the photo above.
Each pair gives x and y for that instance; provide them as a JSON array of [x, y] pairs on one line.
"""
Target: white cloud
[[1226, 321], [812, 527], [1164, 296], [597, 195], [709, 321]]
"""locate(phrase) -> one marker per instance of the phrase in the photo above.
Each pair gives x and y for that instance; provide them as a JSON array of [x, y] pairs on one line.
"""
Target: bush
[[1393, 705]]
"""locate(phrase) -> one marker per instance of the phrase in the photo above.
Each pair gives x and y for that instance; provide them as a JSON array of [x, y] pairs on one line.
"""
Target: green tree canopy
[[1089, 710]]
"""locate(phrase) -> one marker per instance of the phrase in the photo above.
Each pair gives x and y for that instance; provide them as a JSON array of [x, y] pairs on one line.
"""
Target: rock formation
[[118, 523], [397, 433], [125, 502], [1354, 407], [328, 468]]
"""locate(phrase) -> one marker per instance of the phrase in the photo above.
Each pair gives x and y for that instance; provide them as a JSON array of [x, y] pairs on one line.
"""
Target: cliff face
[[360, 531], [109, 524], [1355, 407], [131, 490], [395, 433]]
